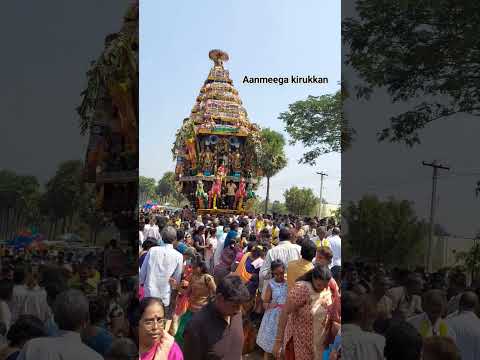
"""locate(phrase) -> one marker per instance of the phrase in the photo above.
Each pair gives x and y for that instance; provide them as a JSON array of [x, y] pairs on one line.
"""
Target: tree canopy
[[166, 185], [276, 206], [19, 201], [318, 124], [413, 49], [471, 260], [24, 203], [64, 189], [300, 201], [146, 188], [384, 231], [271, 156], [167, 189]]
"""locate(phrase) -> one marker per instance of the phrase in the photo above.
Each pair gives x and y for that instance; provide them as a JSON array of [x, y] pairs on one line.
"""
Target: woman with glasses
[[188, 240], [154, 342]]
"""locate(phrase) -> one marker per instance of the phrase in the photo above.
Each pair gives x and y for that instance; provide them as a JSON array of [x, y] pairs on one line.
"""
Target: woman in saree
[[246, 267], [154, 342], [189, 255], [302, 326], [200, 289], [227, 261]]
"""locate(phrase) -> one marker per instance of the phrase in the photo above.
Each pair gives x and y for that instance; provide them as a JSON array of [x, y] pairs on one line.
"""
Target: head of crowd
[[275, 282], [239, 268], [411, 313], [68, 302], [399, 312]]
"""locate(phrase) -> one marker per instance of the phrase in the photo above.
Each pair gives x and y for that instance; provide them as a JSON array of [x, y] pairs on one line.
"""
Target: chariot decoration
[[217, 144]]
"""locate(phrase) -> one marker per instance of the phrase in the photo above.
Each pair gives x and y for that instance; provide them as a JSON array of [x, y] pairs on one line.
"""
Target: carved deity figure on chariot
[[208, 160], [201, 195], [222, 172], [240, 195], [236, 163], [215, 193], [251, 196]]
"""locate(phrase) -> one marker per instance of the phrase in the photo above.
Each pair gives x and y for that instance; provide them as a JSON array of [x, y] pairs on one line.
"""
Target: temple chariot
[[216, 147]]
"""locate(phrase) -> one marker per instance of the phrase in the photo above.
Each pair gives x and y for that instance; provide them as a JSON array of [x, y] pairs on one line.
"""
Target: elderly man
[[71, 312], [466, 326], [160, 265], [431, 323]]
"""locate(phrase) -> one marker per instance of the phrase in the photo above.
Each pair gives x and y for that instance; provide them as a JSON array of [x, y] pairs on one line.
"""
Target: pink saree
[[174, 354]]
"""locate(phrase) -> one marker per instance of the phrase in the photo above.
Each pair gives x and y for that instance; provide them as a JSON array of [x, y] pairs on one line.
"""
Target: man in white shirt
[[284, 251], [335, 243], [152, 231], [457, 285], [466, 327], [430, 323], [406, 299], [161, 264], [221, 236], [71, 315], [356, 343]]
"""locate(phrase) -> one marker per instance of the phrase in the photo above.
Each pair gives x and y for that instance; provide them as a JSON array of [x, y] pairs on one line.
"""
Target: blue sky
[[263, 38]]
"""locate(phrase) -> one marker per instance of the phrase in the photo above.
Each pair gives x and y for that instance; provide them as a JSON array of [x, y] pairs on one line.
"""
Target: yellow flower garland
[[425, 327]]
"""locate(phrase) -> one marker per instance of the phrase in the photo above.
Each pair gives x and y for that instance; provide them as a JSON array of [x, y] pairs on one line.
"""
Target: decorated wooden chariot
[[216, 148], [109, 115]]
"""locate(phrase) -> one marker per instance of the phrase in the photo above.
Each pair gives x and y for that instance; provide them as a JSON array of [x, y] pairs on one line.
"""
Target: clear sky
[[50, 47], [263, 38]]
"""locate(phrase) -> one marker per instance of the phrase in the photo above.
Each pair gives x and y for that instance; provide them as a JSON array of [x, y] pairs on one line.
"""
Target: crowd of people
[[221, 286], [232, 285], [399, 314], [59, 304]]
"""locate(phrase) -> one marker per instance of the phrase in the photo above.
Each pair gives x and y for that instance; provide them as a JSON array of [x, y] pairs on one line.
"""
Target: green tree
[[300, 201], [415, 48], [63, 194], [384, 231], [318, 124], [146, 188], [166, 185], [471, 260], [88, 211], [337, 215], [258, 206], [167, 190], [271, 156], [278, 208], [19, 202], [273, 207]]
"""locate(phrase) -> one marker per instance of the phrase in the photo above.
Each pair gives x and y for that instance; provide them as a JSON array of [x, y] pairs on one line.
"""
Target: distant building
[[328, 210], [446, 249]]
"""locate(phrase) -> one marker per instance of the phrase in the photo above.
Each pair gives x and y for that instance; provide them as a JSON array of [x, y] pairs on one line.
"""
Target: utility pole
[[320, 208], [435, 165]]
